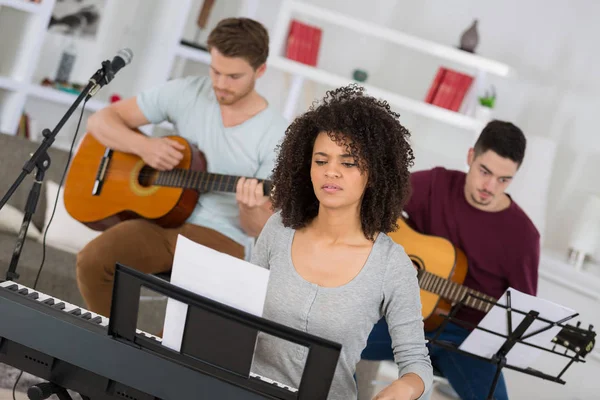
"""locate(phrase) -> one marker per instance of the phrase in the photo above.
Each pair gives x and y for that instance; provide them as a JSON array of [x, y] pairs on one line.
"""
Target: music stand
[[518, 335], [211, 326]]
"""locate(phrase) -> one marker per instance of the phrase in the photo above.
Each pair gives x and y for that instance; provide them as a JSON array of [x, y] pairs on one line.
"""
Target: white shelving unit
[[402, 102], [22, 5], [399, 38], [61, 97], [301, 72], [23, 34], [10, 84], [156, 60], [22, 27]]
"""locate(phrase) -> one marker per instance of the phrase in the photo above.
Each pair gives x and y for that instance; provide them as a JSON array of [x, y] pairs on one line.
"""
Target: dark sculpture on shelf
[[470, 38]]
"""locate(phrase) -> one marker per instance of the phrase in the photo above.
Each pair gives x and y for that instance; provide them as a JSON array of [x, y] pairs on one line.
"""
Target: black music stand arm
[[513, 337], [40, 160]]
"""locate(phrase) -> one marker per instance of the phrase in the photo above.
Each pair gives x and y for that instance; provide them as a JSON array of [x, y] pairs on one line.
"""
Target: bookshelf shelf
[[402, 39], [10, 84], [22, 5], [193, 54], [463, 118], [58, 96], [402, 102], [328, 78]]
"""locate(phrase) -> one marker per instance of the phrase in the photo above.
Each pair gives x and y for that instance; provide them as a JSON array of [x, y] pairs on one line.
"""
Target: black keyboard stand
[[44, 390]]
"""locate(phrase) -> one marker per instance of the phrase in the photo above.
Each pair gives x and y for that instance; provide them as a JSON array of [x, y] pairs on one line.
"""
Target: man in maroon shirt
[[501, 243]]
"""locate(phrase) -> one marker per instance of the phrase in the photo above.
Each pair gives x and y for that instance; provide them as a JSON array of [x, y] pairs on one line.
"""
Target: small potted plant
[[483, 111]]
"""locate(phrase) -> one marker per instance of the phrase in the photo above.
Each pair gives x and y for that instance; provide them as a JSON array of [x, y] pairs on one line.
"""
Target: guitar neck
[[202, 181], [454, 292]]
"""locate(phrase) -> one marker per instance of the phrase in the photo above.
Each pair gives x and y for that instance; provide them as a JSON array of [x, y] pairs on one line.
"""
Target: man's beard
[[233, 98], [482, 202]]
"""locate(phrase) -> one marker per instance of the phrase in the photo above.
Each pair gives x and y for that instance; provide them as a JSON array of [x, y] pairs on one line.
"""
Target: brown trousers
[[141, 245]]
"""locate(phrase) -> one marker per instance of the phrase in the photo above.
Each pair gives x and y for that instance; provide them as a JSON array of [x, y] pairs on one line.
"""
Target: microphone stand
[[40, 160]]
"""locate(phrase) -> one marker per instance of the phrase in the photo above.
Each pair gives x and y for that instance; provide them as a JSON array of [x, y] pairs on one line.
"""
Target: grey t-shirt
[[386, 286]]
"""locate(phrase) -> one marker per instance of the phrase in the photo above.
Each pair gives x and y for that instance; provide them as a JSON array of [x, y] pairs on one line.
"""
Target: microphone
[[123, 57], [108, 70]]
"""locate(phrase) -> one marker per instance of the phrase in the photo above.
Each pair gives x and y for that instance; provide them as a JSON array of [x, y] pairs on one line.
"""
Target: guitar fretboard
[[201, 181], [454, 292]]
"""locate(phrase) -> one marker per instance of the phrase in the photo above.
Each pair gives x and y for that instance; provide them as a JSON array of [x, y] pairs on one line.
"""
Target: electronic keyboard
[[70, 346]]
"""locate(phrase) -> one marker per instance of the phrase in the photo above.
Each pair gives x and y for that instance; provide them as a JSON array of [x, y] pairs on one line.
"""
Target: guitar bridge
[[101, 174]]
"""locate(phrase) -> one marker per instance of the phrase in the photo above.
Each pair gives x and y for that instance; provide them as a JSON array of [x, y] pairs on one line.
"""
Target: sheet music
[[215, 275], [486, 345]]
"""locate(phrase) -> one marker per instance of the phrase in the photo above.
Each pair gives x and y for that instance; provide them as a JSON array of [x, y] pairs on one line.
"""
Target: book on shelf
[[448, 89], [303, 43]]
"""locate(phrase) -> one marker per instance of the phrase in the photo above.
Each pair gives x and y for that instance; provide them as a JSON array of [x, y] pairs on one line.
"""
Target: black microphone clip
[[108, 69]]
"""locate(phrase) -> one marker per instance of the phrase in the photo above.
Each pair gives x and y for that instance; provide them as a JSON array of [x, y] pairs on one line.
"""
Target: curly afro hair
[[372, 133]]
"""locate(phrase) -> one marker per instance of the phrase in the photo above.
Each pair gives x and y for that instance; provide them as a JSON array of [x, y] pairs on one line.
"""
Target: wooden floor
[[6, 394]]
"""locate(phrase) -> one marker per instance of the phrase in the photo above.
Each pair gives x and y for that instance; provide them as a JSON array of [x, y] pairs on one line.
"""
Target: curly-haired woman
[[341, 180]]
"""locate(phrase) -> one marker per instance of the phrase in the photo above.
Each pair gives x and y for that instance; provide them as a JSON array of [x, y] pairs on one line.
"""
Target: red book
[[435, 85], [292, 41], [316, 45], [444, 93], [451, 90], [464, 83], [303, 43]]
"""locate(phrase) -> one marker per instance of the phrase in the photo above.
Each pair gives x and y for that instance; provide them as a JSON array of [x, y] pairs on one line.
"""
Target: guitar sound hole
[[147, 176], [417, 263]]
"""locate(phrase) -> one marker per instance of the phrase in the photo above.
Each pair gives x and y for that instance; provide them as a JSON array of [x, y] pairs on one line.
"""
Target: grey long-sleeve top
[[386, 286]]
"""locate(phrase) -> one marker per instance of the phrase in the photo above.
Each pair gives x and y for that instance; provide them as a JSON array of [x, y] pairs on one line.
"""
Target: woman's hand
[[401, 389]]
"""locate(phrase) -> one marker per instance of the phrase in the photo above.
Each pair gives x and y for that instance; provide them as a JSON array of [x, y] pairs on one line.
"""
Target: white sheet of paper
[[214, 275], [486, 345]]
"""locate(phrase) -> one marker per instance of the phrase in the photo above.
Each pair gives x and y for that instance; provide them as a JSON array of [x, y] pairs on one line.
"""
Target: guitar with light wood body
[[441, 271], [104, 187]]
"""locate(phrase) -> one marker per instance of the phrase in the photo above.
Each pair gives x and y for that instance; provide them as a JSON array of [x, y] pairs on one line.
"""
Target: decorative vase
[[360, 75], [470, 38], [67, 61]]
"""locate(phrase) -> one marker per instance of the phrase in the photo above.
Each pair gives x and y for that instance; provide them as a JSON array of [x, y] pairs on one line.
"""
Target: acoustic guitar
[[441, 271], [104, 187]]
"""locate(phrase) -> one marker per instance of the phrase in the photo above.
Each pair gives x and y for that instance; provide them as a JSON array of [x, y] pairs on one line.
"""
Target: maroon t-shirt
[[502, 248]]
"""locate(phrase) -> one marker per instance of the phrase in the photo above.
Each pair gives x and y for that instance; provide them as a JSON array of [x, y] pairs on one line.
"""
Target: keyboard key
[[49, 301], [76, 312], [59, 306]]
